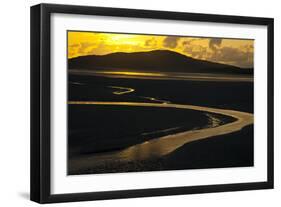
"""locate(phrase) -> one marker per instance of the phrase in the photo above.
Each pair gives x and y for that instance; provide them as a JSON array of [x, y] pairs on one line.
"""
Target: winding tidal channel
[[164, 145]]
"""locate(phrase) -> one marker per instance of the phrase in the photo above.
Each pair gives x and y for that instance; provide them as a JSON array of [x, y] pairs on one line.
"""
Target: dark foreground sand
[[217, 152]]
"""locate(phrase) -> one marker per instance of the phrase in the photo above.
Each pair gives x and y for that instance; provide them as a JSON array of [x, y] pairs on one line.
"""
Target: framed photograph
[[133, 103]]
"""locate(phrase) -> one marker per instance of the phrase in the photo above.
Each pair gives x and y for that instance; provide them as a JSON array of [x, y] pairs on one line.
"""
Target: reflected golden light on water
[[162, 146], [131, 73], [122, 90], [165, 76]]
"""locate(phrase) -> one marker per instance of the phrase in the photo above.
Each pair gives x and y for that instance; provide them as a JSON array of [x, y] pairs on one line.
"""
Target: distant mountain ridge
[[152, 61]]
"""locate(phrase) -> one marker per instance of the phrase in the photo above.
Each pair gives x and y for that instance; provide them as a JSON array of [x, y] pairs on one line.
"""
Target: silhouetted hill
[[157, 60]]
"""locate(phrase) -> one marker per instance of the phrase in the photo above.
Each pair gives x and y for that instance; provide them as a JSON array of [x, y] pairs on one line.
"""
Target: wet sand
[[157, 148]]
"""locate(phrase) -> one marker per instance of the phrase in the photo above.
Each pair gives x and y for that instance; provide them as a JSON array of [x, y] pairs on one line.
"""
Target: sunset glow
[[236, 52]]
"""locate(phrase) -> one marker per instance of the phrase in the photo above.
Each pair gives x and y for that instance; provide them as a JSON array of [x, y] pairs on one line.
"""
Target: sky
[[238, 52]]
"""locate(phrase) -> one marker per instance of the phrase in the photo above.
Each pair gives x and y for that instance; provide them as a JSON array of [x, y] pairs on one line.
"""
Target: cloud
[[234, 56], [195, 51], [171, 42], [99, 49], [215, 43], [84, 46], [189, 41], [150, 43], [74, 45], [215, 51]]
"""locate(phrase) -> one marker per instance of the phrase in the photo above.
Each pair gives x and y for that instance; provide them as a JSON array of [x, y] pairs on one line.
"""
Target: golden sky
[[236, 52]]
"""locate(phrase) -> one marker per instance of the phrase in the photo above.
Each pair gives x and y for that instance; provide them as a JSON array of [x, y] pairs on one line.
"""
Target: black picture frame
[[41, 99]]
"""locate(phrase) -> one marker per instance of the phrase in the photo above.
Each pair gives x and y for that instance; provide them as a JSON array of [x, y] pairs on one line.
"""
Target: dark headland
[[153, 61]]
